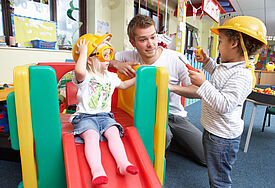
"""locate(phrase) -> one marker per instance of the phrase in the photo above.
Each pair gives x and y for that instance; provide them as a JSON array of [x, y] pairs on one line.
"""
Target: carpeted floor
[[254, 169]]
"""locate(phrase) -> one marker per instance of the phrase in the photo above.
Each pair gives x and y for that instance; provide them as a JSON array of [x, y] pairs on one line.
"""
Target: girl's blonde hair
[[94, 66]]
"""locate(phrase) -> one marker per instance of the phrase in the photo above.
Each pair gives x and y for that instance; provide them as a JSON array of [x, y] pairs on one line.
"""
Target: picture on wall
[[31, 31]]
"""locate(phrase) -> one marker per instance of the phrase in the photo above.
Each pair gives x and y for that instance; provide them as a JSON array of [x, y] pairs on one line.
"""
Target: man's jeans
[[220, 154]]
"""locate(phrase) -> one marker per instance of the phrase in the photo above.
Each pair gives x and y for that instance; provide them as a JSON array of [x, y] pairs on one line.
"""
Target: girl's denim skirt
[[99, 122]]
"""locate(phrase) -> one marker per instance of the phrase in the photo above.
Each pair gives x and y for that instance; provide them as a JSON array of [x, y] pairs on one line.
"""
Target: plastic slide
[[78, 171], [56, 161]]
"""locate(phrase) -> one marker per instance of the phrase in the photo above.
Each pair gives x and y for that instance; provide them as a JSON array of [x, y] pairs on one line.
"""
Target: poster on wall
[[102, 27], [211, 8], [27, 29]]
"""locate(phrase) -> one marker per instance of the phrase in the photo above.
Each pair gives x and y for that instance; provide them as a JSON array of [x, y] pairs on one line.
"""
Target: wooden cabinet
[[265, 77]]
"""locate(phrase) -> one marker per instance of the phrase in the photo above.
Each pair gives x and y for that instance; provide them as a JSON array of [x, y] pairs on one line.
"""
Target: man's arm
[[185, 91], [125, 68]]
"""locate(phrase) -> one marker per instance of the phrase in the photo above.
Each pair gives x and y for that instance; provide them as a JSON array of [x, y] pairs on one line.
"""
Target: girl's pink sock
[[117, 149], [93, 156]]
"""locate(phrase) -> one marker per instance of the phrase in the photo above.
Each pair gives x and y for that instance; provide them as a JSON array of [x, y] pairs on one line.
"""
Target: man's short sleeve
[[122, 56], [128, 55]]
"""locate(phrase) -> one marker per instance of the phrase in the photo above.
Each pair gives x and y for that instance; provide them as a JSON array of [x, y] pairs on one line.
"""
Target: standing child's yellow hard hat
[[245, 24], [250, 26]]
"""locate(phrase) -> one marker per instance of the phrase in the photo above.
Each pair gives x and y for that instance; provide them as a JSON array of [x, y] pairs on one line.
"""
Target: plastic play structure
[[49, 155]]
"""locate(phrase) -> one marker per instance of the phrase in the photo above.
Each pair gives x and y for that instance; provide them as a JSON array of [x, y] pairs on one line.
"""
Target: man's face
[[146, 41]]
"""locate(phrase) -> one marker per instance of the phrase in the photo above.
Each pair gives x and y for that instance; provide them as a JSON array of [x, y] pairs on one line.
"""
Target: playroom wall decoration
[[26, 29], [267, 55]]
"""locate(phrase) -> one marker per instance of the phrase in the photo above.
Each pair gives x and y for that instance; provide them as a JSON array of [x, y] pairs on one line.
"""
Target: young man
[[143, 36]]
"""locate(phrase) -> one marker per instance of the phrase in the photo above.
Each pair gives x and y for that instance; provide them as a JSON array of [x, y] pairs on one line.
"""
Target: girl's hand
[[201, 59], [197, 78], [82, 47]]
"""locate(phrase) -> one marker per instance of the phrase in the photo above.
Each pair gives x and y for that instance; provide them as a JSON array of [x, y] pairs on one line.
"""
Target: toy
[[49, 164], [189, 66], [268, 91], [270, 66], [4, 125], [198, 45]]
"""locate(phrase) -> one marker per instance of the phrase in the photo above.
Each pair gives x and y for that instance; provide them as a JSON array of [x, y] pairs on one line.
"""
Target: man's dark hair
[[139, 21]]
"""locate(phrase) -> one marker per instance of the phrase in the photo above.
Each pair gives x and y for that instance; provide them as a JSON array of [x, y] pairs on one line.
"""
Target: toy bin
[[43, 44], [4, 125]]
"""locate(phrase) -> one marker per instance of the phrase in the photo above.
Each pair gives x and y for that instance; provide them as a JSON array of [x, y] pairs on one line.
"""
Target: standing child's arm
[[127, 83], [80, 67], [185, 91]]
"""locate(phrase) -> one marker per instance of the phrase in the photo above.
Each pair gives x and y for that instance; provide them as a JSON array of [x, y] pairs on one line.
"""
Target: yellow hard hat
[[245, 24], [95, 40]]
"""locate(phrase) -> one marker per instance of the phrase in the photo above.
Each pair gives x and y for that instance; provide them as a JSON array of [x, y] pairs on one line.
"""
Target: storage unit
[[265, 77], [4, 125]]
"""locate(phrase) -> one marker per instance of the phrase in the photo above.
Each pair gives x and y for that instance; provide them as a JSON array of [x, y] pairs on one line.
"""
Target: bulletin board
[[26, 29], [267, 55]]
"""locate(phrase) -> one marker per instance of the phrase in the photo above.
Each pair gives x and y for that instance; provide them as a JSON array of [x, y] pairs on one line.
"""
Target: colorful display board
[[267, 55], [26, 29]]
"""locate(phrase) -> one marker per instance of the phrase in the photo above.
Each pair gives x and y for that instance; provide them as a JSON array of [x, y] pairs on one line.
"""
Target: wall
[[12, 57], [121, 15], [117, 13], [203, 27]]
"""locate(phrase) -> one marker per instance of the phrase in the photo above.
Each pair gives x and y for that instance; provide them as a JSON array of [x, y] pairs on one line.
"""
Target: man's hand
[[197, 79], [125, 68]]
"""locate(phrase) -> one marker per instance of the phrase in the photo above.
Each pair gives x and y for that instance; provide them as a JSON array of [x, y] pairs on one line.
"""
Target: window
[[143, 11], [189, 38], [67, 28], [149, 12], [33, 9], [210, 45], [1, 24], [52, 10]]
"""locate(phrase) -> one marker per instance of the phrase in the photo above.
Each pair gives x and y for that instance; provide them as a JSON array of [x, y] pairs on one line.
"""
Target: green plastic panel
[[145, 106], [47, 127], [12, 121]]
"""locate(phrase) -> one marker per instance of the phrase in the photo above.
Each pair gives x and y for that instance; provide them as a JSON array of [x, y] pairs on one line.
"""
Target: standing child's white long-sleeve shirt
[[223, 97]]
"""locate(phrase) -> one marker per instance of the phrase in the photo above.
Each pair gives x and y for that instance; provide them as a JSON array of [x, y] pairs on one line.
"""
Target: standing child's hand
[[197, 78], [202, 59]]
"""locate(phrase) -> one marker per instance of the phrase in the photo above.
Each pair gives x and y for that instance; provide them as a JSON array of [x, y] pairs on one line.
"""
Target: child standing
[[93, 120], [223, 96]]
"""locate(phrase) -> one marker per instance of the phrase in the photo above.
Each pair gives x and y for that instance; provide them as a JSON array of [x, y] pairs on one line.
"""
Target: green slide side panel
[[145, 106], [12, 121], [47, 127]]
